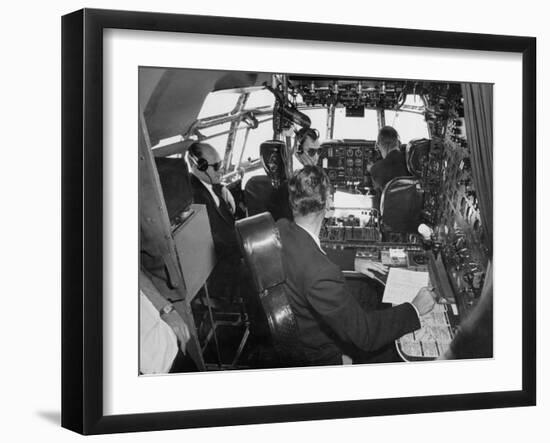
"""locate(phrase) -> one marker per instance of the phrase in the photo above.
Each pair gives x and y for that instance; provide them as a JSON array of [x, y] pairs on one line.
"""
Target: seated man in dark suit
[[330, 320], [393, 160], [207, 190]]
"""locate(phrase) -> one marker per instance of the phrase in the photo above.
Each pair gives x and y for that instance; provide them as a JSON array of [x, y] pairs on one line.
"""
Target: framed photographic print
[[271, 221]]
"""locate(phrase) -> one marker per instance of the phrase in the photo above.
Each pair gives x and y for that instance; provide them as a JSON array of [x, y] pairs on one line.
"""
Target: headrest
[[258, 193], [401, 204], [417, 153], [261, 248], [271, 154]]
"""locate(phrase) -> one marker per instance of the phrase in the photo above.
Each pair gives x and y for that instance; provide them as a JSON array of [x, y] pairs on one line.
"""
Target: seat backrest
[[176, 185], [261, 248], [272, 153], [269, 192], [401, 204], [260, 196], [417, 155], [257, 192]]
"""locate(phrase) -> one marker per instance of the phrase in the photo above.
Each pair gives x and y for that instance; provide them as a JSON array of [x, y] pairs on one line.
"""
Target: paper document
[[402, 285]]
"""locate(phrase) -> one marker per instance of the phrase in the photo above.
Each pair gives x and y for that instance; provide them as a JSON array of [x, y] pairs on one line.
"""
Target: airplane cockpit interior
[[218, 155]]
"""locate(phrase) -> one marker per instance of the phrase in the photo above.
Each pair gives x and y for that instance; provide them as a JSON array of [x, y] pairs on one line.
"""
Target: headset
[[200, 162]]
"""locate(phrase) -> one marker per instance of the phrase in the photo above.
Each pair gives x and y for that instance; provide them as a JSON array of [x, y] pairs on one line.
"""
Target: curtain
[[478, 117]]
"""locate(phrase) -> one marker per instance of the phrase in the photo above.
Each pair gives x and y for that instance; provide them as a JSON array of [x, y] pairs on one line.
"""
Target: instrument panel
[[348, 162], [451, 205]]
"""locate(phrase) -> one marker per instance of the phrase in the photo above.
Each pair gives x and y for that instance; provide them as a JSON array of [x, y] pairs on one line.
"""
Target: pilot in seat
[[307, 146], [207, 190], [393, 162], [331, 321]]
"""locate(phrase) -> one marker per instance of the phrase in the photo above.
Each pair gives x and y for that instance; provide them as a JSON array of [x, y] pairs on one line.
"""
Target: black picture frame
[[82, 219]]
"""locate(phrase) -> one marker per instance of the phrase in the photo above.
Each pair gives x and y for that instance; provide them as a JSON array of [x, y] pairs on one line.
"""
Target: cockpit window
[[219, 102], [223, 103], [355, 127], [255, 138], [408, 125], [318, 120], [260, 98], [414, 101], [213, 130], [219, 142], [409, 121]]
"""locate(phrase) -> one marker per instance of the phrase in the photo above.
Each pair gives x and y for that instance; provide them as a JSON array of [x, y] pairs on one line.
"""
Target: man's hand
[[179, 327], [424, 300], [369, 267]]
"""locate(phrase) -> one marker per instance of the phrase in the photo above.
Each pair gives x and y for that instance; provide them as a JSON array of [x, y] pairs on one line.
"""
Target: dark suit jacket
[[390, 167], [328, 316], [222, 222]]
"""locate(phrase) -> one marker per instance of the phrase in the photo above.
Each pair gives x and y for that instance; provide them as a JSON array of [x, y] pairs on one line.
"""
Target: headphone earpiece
[[200, 163]]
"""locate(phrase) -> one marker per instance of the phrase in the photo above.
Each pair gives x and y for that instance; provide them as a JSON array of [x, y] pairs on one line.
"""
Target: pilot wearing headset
[[307, 146], [206, 175], [206, 167]]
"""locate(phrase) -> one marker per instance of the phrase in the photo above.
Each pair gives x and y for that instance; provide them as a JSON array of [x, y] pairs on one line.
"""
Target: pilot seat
[[261, 248], [401, 205], [269, 193]]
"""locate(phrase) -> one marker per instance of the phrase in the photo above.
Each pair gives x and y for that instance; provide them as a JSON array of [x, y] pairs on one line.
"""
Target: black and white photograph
[[294, 220], [275, 221]]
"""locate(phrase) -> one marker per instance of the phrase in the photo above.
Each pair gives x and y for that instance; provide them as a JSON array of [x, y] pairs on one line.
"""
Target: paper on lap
[[402, 285]]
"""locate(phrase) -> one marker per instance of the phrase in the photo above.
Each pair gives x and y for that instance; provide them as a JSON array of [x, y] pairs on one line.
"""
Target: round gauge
[[358, 153], [349, 152], [349, 162]]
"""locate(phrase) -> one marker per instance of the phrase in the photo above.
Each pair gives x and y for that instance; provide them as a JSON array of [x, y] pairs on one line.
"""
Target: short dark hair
[[387, 137], [308, 190]]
